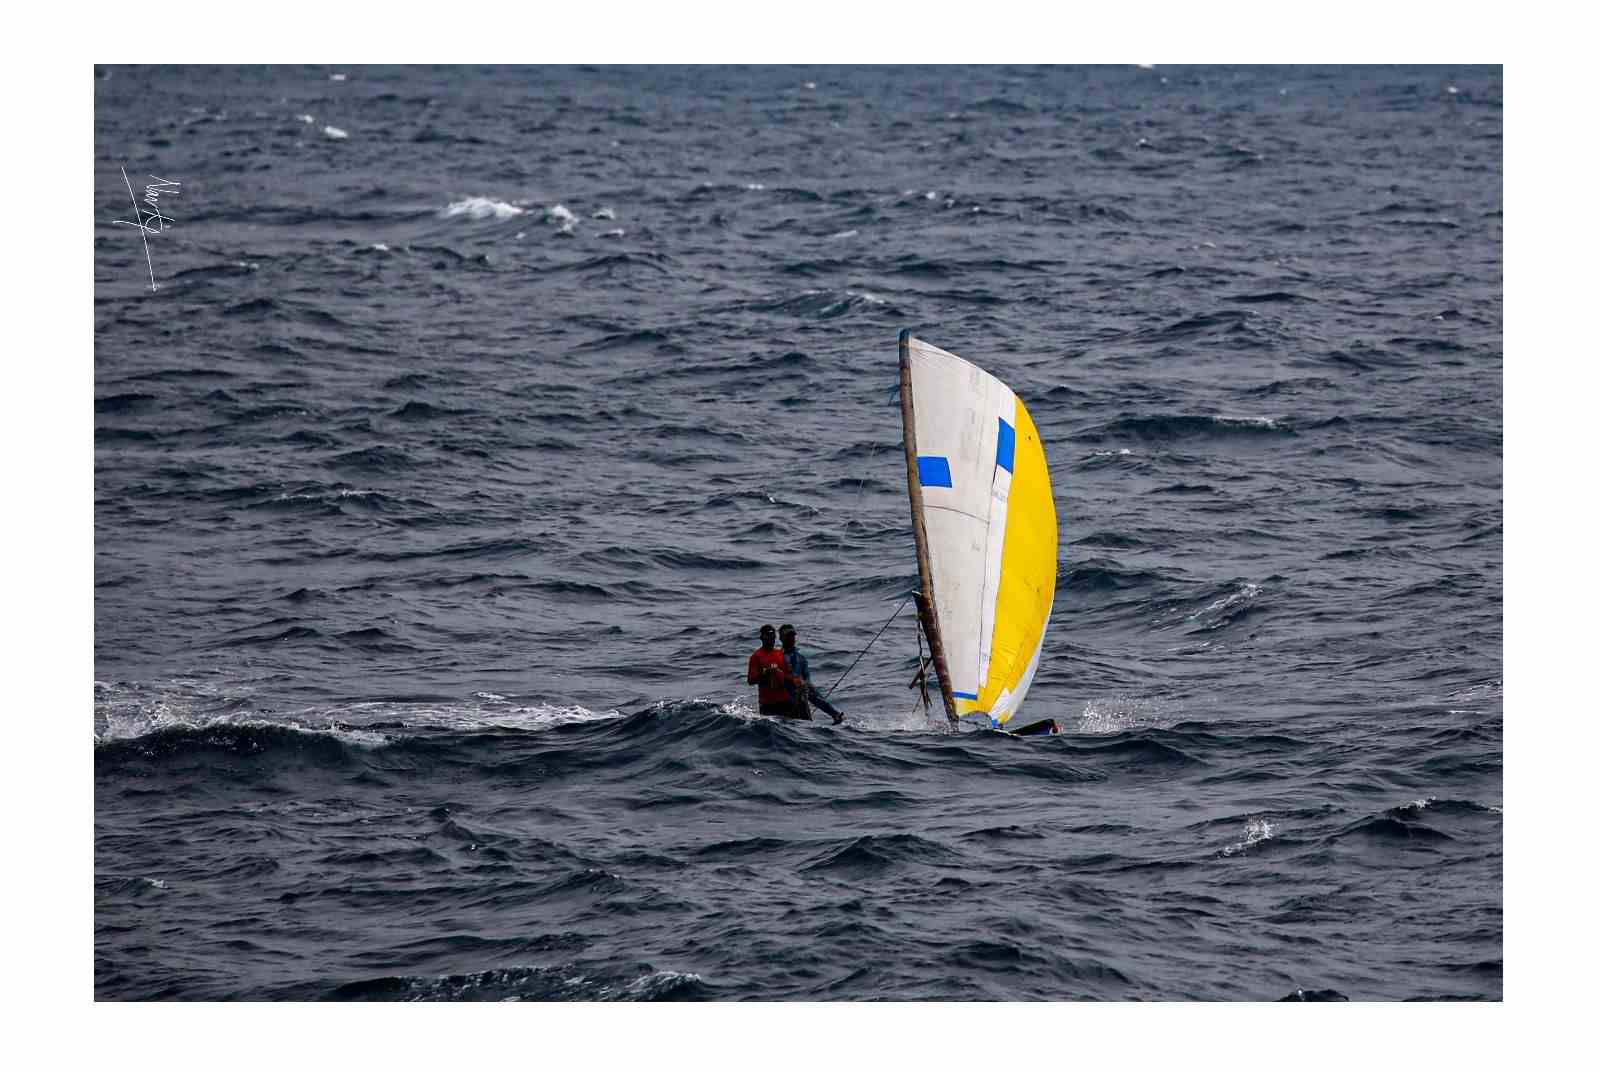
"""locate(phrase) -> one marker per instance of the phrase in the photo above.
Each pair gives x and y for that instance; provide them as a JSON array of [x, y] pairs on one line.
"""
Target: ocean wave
[[1257, 831], [123, 402], [1185, 427], [480, 207], [379, 458], [497, 734], [559, 983], [1091, 576], [128, 712], [1229, 608], [1395, 828], [1119, 714], [823, 304], [870, 856], [1218, 322], [1270, 297], [637, 559], [224, 740], [620, 264], [652, 338]]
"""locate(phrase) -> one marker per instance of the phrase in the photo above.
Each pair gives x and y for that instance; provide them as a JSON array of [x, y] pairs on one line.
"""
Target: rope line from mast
[[868, 648]]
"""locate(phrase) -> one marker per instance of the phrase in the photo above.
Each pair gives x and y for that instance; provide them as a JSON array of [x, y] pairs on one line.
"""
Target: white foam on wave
[[662, 980], [1257, 830], [480, 207], [334, 494], [565, 221], [1485, 692], [334, 133], [737, 708], [1244, 594], [486, 711], [167, 722], [1117, 714], [129, 711], [605, 213], [843, 234], [126, 711], [309, 120]]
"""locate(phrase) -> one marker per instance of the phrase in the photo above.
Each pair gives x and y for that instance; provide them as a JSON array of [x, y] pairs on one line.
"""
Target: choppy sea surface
[[482, 415]]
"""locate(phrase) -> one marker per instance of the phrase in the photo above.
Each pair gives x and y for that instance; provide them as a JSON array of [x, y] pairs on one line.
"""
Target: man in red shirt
[[767, 670]]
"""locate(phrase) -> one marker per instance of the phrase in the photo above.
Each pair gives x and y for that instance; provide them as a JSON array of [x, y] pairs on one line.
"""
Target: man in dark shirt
[[769, 671], [803, 690]]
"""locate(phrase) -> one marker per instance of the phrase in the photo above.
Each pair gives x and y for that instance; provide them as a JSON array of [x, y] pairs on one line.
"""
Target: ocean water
[[481, 416]]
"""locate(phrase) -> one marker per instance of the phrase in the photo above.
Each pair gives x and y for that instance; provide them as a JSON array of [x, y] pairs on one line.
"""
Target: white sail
[[983, 502]]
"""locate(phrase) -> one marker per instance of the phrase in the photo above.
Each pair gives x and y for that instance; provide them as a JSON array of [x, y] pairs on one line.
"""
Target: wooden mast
[[926, 613]]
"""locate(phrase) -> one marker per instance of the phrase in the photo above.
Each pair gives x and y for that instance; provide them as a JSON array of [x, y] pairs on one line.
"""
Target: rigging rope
[[868, 648], [922, 670], [863, 485]]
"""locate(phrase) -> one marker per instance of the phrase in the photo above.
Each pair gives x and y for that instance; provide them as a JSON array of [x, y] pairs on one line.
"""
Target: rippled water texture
[[482, 416]]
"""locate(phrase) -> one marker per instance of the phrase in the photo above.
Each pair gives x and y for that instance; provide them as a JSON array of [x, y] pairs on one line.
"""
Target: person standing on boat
[[769, 671], [802, 689]]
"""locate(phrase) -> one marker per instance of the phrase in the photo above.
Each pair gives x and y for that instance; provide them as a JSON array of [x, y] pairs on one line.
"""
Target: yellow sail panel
[[1027, 584]]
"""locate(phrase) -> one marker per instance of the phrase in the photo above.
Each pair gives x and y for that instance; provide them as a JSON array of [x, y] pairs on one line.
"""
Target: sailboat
[[985, 525]]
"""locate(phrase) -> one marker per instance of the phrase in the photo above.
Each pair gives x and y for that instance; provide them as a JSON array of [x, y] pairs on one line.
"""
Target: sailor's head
[[768, 635], [787, 633]]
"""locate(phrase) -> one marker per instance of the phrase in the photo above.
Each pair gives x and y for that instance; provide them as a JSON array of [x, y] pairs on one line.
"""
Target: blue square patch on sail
[[934, 472], [1005, 452]]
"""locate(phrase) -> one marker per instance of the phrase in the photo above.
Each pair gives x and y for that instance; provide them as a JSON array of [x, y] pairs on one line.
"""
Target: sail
[[986, 528]]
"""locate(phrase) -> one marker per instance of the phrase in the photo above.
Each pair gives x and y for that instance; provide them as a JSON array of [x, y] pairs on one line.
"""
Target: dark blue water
[[443, 483]]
